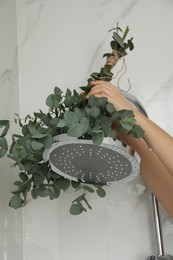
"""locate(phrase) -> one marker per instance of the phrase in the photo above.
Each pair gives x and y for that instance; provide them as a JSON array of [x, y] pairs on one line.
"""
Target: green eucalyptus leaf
[[45, 118], [33, 130], [97, 138], [105, 122], [96, 128], [58, 91], [62, 123], [34, 194], [17, 183], [124, 113], [94, 75], [47, 141], [87, 188], [94, 111], [112, 134], [101, 192], [27, 146], [54, 175], [15, 151], [68, 92], [24, 186], [36, 145], [75, 184], [56, 191], [85, 124], [49, 101], [51, 194], [79, 112], [87, 111], [137, 131], [62, 184], [130, 44], [42, 191], [127, 123], [71, 118], [25, 130], [110, 108], [113, 45], [28, 165], [4, 124], [3, 147], [86, 89], [115, 116], [92, 101], [69, 101], [54, 121], [76, 209], [38, 179], [101, 101], [75, 131], [16, 201], [39, 136], [23, 176], [53, 101], [21, 166]]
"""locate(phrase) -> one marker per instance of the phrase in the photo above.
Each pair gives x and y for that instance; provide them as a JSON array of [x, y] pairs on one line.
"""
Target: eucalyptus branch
[[70, 113]]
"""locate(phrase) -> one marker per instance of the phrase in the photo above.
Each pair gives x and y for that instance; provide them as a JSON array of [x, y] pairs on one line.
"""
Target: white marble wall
[[11, 228], [60, 43]]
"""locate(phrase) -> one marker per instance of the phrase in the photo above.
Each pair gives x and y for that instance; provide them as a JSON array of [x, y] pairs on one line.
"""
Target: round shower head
[[77, 159]]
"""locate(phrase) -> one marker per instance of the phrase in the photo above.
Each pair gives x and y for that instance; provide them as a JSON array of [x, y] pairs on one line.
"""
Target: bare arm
[[155, 150], [155, 175], [156, 138]]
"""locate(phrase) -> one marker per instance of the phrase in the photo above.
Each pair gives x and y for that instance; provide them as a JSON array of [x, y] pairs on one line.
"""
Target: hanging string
[[123, 70], [112, 61]]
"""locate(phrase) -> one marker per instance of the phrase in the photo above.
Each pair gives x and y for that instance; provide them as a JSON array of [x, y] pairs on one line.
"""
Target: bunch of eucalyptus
[[70, 113]]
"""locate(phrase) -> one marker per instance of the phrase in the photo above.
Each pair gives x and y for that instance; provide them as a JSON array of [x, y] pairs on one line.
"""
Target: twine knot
[[112, 60]]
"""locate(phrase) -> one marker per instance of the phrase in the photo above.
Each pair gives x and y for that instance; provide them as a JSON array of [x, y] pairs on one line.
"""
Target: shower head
[[79, 159]]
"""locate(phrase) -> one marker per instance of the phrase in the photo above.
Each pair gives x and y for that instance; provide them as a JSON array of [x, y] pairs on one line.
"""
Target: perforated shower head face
[[82, 160]]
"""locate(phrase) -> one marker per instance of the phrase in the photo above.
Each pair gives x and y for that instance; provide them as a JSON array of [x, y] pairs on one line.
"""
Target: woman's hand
[[114, 96]]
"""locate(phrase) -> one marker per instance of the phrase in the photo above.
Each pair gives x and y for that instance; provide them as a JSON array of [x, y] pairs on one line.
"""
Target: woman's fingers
[[114, 96], [102, 88]]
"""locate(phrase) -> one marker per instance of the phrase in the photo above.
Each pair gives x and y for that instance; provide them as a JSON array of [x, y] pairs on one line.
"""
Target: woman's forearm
[[155, 150], [156, 176], [158, 140]]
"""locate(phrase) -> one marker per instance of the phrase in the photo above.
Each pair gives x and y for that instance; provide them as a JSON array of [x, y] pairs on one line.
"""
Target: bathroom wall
[[59, 44], [11, 225]]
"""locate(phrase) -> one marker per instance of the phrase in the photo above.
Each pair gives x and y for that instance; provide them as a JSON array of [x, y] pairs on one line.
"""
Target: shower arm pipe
[[159, 237], [156, 213]]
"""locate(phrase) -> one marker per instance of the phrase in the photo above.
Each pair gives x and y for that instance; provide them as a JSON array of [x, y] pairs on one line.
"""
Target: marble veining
[[128, 9], [30, 24], [127, 209], [50, 32]]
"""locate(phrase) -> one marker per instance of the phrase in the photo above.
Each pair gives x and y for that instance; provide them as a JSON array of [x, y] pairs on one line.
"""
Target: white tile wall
[[11, 225], [60, 43]]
